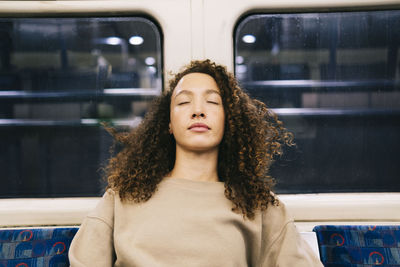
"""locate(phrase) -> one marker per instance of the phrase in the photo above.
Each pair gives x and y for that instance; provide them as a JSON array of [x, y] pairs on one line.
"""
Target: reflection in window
[[334, 79], [59, 78]]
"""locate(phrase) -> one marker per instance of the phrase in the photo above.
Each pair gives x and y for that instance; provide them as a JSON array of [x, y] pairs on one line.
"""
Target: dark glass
[[334, 80], [59, 78]]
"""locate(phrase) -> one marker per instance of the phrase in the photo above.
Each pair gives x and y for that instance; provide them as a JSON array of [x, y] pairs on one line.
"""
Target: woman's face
[[197, 115]]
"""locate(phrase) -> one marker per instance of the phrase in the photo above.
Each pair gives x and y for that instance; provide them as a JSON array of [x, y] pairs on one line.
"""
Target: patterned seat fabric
[[35, 247], [359, 245]]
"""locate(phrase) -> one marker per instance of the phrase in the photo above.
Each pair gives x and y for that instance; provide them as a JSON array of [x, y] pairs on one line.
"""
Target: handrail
[[336, 112], [284, 112], [79, 95], [69, 123], [323, 85]]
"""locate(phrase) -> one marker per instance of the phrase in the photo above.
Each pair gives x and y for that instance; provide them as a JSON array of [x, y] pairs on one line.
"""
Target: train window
[[59, 78], [334, 80]]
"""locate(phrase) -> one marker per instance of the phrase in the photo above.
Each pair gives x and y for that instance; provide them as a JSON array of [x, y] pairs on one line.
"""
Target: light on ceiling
[[136, 40], [249, 39], [113, 40]]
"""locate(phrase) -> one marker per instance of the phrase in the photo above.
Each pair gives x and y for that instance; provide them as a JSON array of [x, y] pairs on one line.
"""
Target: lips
[[199, 127]]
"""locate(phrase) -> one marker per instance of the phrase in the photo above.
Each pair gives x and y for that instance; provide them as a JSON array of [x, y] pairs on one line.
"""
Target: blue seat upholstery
[[358, 245], [35, 247]]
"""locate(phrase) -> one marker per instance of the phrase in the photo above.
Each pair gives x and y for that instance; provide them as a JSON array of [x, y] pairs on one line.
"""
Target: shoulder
[[104, 210], [282, 244], [276, 212], [275, 219], [108, 197]]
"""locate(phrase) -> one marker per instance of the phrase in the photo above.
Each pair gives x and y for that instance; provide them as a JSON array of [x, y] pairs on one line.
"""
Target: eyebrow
[[207, 92]]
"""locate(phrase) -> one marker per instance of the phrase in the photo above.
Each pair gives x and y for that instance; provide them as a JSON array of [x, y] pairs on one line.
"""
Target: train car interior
[[330, 70]]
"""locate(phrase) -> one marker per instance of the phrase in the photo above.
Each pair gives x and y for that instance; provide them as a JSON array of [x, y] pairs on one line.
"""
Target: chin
[[200, 143], [200, 147]]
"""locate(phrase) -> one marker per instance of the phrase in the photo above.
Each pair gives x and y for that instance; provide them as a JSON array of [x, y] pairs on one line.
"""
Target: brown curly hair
[[253, 135]]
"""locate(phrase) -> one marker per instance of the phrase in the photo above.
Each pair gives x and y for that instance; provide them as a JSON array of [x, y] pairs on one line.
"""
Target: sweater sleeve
[[93, 243], [282, 244]]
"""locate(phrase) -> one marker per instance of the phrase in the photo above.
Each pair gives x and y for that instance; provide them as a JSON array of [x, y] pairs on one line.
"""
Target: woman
[[190, 187]]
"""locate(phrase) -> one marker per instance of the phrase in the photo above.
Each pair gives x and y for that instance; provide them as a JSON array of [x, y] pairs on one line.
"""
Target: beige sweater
[[187, 223]]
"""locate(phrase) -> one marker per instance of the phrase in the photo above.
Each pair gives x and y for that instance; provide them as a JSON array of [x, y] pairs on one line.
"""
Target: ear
[[169, 128]]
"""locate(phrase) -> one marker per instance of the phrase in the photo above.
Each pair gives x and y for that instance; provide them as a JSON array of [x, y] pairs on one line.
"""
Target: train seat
[[44, 246], [358, 245]]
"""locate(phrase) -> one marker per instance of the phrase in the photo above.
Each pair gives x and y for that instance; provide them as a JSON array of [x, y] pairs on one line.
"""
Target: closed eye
[[182, 103], [213, 102]]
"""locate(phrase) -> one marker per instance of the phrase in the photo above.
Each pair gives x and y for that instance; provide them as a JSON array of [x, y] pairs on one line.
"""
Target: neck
[[193, 165]]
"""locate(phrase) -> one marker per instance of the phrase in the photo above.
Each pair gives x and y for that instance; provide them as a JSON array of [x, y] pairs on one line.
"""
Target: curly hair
[[253, 136]]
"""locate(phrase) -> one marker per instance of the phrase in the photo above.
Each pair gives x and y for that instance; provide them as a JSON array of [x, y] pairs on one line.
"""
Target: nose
[[197, 114], [198, 109]]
